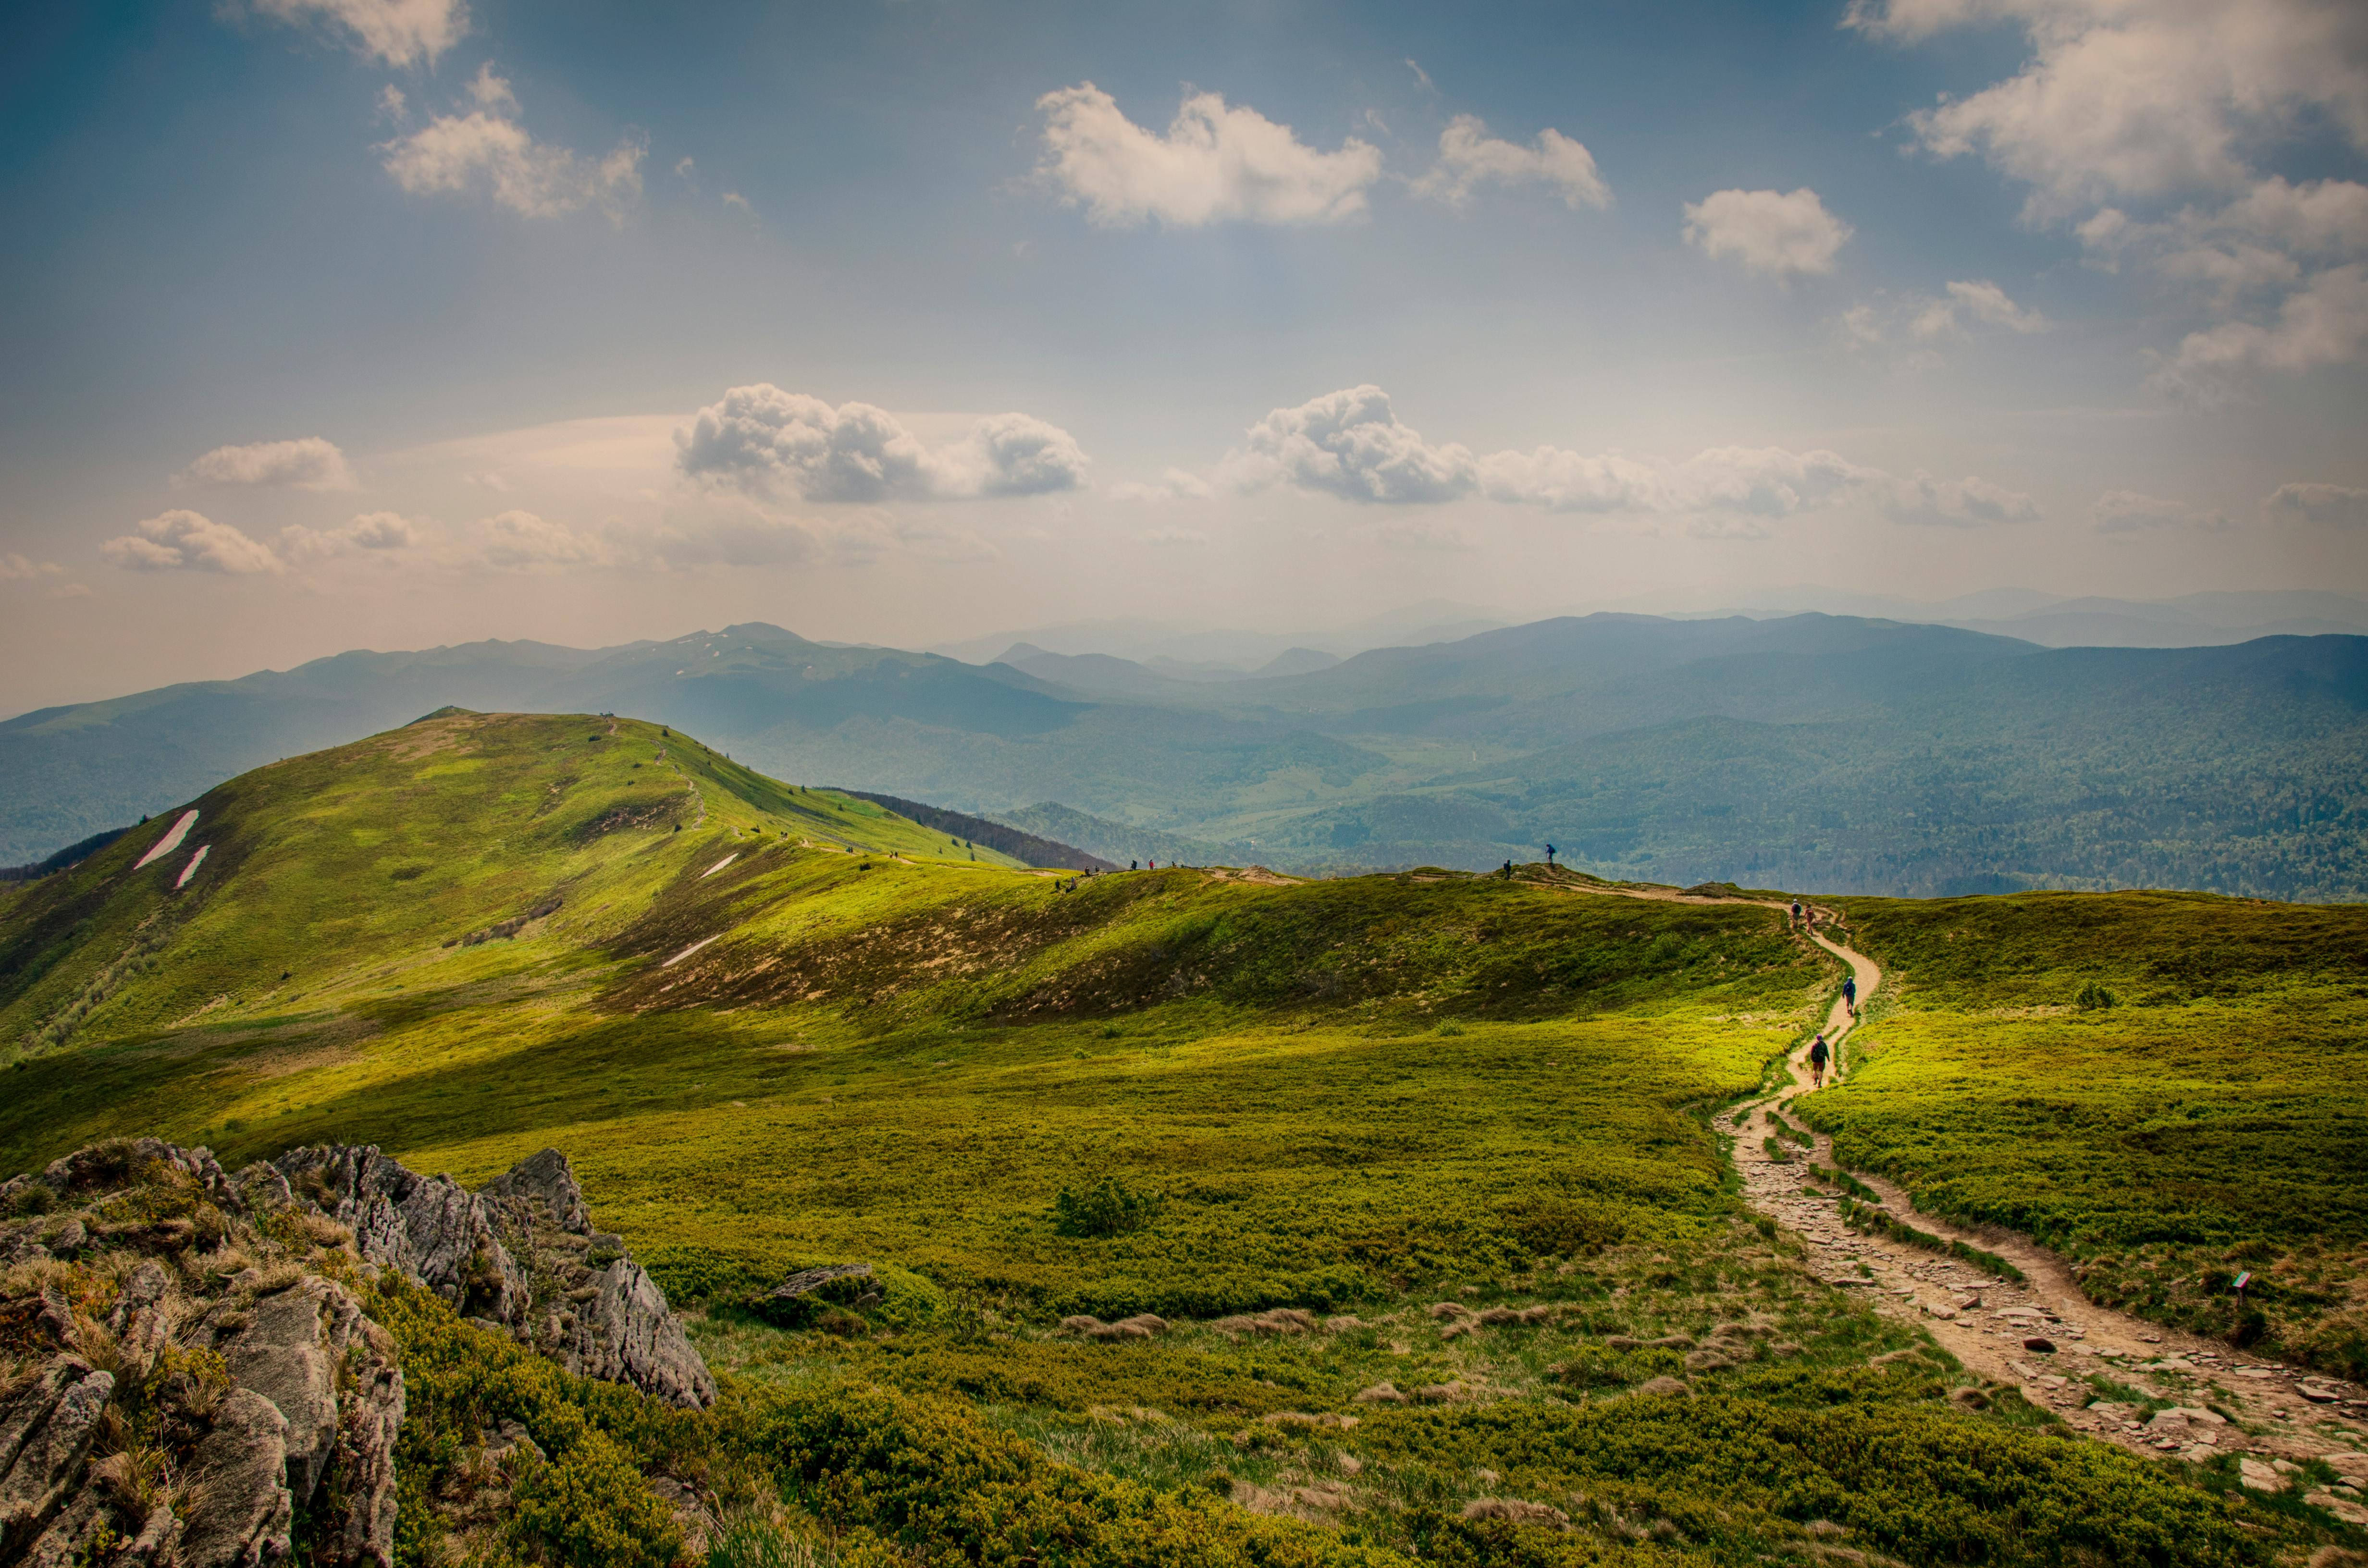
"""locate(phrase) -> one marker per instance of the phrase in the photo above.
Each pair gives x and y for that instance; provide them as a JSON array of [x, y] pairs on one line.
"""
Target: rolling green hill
[[1428, 1137], [1815, 750]]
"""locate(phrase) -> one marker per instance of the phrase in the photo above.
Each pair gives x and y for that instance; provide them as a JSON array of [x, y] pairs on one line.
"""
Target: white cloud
[[310, 463], [520, 541], [487, 148], [2277, 272], [2336, 506], [180, 540], [375, 531], [14, 568], [2140, 99], [2325, 321], [1217, 163], [733, 198], [391, 104], [1767, 231], [397, 32], [489, 91], [1470, 157], [2128, 512], [1351, 444], [759, 438]]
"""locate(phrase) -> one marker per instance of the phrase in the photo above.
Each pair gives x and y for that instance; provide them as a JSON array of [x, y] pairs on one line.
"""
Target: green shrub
[[2093, 997], [1108, 1208]]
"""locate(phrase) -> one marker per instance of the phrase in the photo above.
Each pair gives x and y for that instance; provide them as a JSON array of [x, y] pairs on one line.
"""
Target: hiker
[[1850, 994], [1135, 864], [1508, 870], [1817, 1054], [1550, 854], [1796, 912]]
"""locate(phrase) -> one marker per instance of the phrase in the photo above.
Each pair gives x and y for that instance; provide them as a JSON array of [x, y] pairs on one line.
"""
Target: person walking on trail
[[1817, 1058], [1796, 912], [1850, 994]]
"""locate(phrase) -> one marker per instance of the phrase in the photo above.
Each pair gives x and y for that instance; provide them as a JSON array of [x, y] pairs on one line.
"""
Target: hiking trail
[[1984, 1320]]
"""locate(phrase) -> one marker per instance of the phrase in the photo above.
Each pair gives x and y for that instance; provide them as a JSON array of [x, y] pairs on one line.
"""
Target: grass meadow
[[2172, 1088], [1436, 1132]]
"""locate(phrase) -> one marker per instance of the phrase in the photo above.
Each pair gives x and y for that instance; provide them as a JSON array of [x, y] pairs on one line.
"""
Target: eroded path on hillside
[[1987, 1322], [2040, 1335]]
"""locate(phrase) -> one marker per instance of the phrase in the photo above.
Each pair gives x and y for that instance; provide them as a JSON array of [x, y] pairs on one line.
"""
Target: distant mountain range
[[1812, 751]]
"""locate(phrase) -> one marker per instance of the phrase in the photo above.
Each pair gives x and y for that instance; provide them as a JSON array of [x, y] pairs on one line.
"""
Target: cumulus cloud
[[485, 149], [1767, 231], [374, 531], [2139, 100], [761, 440], [2324, 321], [2336, 506], [1351, 444], [1469, 157], [1216, 163], [180, 540], [311, 463], [2128, 512], [2124, 109], [394, 32]]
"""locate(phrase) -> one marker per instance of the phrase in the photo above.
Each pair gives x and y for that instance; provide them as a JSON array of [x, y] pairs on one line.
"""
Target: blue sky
[[375, 322]]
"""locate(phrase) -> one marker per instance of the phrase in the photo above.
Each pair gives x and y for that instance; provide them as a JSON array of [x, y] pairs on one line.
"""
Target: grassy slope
[[345, 871], [1357, 1093], [2214, 1120]]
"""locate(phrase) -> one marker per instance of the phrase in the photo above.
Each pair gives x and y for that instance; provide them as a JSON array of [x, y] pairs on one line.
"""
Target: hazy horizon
[[395, 324]]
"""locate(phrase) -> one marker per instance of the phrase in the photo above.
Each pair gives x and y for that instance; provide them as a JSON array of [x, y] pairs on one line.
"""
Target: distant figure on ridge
[[1817, 1055], [1796, 912], [1550, 854]]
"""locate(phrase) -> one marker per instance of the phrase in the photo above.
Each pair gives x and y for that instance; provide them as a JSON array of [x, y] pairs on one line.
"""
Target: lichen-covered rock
[[547, 1179], [45, 1435], [627, 1335], [241, 1514], [622, 1330], [226, 1313], [430, 1228]]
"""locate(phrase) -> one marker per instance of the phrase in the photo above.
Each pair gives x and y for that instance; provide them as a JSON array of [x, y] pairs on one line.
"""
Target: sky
[[339, 324]]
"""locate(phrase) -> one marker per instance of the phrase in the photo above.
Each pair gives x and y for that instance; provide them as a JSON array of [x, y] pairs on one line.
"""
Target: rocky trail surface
[[2040, 1335]]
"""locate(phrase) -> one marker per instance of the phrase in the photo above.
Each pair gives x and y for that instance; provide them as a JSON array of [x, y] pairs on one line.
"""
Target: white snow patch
[[171, 841], [687, 951], [720, 865], [195, 861]]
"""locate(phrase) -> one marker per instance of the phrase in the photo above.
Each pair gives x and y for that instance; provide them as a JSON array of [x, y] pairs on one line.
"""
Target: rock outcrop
[[601, 1315], [186, 1370]]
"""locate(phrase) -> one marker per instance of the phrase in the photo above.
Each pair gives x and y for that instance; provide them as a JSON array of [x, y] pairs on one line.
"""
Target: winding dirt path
[[1988, 1322], [1985, 1321]]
